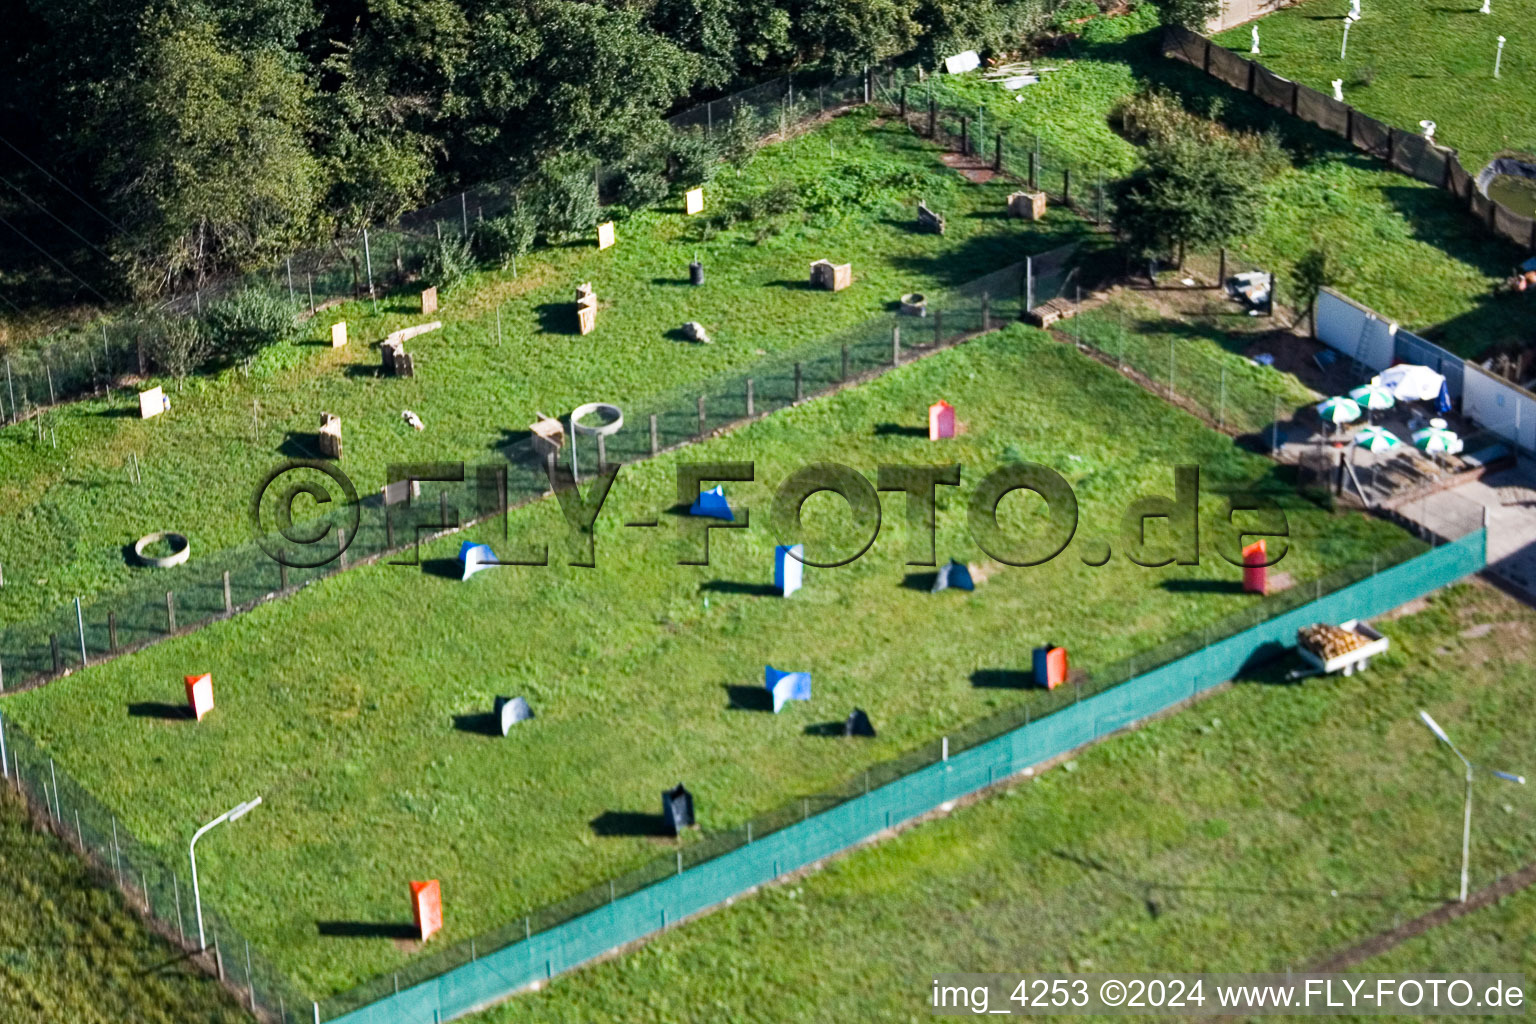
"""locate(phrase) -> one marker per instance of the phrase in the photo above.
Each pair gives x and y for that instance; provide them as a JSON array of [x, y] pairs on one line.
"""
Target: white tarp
[[960, 63]]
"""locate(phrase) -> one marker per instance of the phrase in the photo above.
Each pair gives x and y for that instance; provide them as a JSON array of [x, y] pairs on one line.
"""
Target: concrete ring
[[611, 415], [181, 549]]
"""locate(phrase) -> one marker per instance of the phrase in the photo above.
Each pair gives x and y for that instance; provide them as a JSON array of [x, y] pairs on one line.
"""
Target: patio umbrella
[[1435, 437], [1409, 382], [1339, 410], [1377, 439], [1373, 396]]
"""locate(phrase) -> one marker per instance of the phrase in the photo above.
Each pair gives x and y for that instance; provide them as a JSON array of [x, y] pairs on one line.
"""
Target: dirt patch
[[973, 168], [1478, 631]]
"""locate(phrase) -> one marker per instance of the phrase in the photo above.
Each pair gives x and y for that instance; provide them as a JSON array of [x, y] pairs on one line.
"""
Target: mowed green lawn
[[1262, 829], [70, 951], [1406, 249], [66, 513], [1408, 62], [342, 705]]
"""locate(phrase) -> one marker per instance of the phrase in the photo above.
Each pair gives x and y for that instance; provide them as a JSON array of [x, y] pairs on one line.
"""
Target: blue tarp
[[955, 574], [786, 686], [712, 503], [475, 557]]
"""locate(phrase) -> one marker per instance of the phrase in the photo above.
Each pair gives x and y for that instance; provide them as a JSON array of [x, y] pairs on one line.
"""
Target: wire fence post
[[368, 262], [654, 446], [1221, 414], [293, 299], [80, 625], [170, 611], [751, 398]]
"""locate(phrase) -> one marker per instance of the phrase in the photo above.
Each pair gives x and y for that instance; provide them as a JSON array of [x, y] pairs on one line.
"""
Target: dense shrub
[[695, 157], [565, 194], [247, 321], [448, 262], [503, 239]]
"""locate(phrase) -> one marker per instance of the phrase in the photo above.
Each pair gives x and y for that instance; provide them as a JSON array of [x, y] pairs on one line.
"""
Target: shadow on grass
[[1202, 586], [629, 823], [1002, 679], [363, 371], [838, 729], [736, 587], [157, 709], [558, 318], [443, 568], [899, 430], [301, 445], [366, 930], [1151, 885], [922, 581], [480, 723], [748, 698], [792, 285]]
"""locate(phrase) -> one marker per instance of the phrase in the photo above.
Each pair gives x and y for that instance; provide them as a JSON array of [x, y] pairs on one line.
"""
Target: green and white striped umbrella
[[1376, 439], [1373, 396], [1435, 437], [1339, 410]]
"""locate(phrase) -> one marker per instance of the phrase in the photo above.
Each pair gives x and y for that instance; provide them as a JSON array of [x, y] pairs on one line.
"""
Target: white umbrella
[[1373, 396], [1412, 383], [1435, 437], [1339, 410], [1377, 439]]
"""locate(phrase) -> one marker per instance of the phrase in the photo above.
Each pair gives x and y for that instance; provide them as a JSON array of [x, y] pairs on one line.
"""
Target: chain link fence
[[224, 583]]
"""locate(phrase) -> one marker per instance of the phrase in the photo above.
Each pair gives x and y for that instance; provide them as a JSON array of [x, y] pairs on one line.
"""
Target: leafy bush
[[1073, 11], [565, 195], [850, 184], [642, 186], [177, 345], [1192, 14], [246, 322], [695, 157], [742, 134], [1120, 27], [448, 263], [1158, 117], [502, 239], [782, 197]]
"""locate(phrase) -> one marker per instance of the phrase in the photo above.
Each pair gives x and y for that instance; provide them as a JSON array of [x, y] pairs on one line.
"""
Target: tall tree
[[1190, 192], [209, 166]]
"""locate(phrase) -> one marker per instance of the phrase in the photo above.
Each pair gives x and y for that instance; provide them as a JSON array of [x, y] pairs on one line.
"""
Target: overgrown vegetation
[[71, 951], [1200, 185], [215, 136]]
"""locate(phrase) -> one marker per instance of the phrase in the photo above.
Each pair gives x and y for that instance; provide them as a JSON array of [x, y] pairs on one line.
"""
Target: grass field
[[353, 708], [70, 951], [67, 512], [1404, 248], [1444, 75], [1266, 827]]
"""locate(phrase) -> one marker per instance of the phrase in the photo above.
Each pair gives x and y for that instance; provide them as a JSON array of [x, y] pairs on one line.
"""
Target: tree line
[[208, 136]]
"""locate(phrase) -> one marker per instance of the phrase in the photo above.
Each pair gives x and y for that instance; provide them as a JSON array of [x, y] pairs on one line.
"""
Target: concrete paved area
[[1509, 497]]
